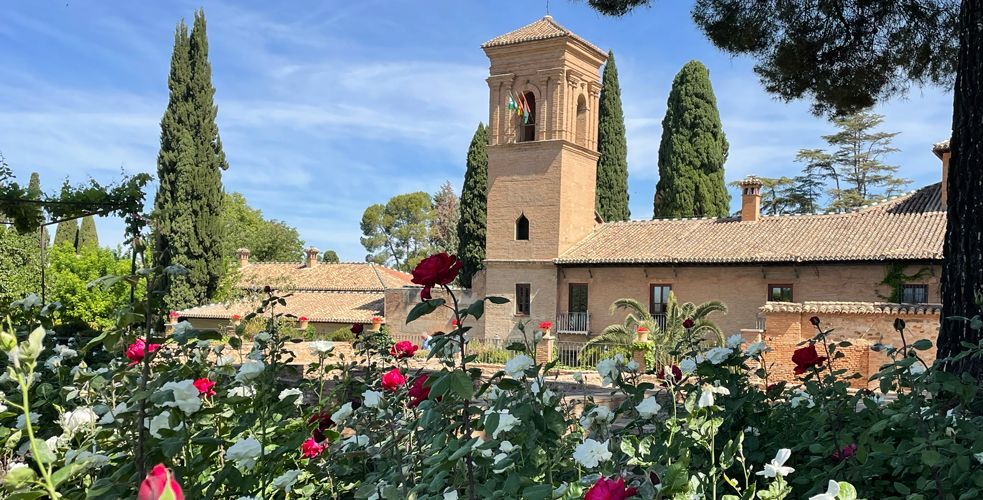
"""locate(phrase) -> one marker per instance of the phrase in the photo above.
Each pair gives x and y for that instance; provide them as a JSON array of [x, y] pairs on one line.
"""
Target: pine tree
[[693, 150], [88, 237], [330, 257], [189, 201], [471, 227], [612, 165], [447, 214], [66, 233]]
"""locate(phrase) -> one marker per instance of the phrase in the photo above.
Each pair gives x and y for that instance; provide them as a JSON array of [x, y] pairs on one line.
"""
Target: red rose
[[357, 328], [302, 318], [135, 351], [205, 387], [642, 329], [688, 323], [393, 379], [673, 375], [160, 484], [438, 269], [403, 349], [847, 452], [418, 391], [454, 322], [609, 489], [546, 325], [311, 448], [807, 357], [814, 320], [237, 316]]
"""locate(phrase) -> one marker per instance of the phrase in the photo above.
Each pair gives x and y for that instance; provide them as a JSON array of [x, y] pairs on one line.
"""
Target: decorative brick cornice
[[831, 307]]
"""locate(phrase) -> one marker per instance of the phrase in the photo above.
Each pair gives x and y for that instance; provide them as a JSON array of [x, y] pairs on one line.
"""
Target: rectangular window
[[578, 298], [522, 299], [914, 294], [659, 298], [780, 293]]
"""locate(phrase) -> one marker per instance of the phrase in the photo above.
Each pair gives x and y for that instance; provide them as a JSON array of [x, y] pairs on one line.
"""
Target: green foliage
[[20, 265], [693, 150], [789, 195], [66, 233], [69, 277], [612, 146], [343, 334], [854, 167], [895, 278], [330, 257], [471, 227], [189, 201], [446, 216], [397, 233], [267, 240], [88, 237]]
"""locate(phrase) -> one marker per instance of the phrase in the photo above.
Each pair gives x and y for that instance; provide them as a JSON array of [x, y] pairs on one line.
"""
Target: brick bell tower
[[544, 86]]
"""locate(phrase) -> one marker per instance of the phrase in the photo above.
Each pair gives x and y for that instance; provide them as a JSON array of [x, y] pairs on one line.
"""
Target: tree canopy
[[612, 148], [472, 226], [446, 214], [268, 240], [397, 234]]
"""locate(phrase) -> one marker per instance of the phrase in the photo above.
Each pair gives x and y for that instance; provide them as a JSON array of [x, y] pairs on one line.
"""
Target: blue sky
[[326, 107]]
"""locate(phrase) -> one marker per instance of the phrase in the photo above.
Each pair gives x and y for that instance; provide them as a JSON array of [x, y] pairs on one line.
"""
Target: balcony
[[573, 322]]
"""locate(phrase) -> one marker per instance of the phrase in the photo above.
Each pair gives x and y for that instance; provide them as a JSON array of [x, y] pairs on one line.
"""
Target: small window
[[780, 293], [527, 120], [522, 299], [522, 228], [659, 299], [914, 294], [577, 301]]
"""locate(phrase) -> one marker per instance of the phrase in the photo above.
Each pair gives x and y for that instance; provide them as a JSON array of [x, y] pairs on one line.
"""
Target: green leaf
[[19, 477], [171, 446], [901, 488], [922, 344], [931, 458], [27, 495], [463, 450], [847, 491], [497, 300], [66, 472], [461, 384], [537, 492], [476, 309], [424, 308]]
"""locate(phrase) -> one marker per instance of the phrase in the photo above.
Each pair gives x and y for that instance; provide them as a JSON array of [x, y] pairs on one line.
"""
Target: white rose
[[648, 407], [916, 369], [162, 421], [77, 420], [506, 446], [224, 360], [718, 355], [250, 370], [735, 341], [687, 366], [286, 480], [777, 466], [371, 399], [244, 453], [756, 349], [53, 363], [262, 337], [608, 370], [185, 395], [286, 393], [590, 453], [578, 377], [517, 366], [65, 352], [358, 441], [342, 414], [505, 423], [706, 395], [832, 490], [321, 347], [801, 398], [450, 495], [246, 391]]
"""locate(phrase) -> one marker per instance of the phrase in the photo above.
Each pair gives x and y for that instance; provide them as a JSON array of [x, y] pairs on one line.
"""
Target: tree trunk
[[962, 269]]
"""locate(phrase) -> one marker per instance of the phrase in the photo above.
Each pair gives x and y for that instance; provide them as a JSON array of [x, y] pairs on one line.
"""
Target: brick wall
[[400, 301]]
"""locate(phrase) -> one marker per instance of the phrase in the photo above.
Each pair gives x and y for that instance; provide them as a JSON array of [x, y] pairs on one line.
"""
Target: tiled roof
[[325, 307], [346, 276], [908, 227], [852, 308], [543, 29]]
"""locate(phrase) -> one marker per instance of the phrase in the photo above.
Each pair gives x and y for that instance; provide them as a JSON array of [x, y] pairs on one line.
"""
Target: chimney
[[243, 255], [310, 256], [750, 199], [942, 151]]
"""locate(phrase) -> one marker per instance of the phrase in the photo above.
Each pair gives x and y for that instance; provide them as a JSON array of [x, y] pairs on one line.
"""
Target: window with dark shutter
[[522, 299]]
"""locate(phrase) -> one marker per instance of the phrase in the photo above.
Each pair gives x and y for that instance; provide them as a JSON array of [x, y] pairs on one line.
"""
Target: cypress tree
[[88, 237], [66, 233], [612, 165], [34, 193], [471, 226], [693, 150], [189, 201]]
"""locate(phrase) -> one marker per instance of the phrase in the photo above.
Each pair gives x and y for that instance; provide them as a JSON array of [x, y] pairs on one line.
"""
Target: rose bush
[[370, 425]]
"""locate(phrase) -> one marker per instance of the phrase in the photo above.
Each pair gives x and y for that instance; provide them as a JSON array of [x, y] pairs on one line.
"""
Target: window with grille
[[780, 293], [914, 294], [522, 299]]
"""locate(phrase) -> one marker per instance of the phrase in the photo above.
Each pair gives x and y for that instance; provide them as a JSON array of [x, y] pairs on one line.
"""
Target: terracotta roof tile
[[326, 307], [346, 276], [909, 227], [543, 29]]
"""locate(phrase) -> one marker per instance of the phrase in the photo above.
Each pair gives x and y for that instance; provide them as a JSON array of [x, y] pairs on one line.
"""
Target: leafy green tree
[[693, 150], [854, 164], [397, 233], [66, 233], [68, 282], [88, 236], [20, 265], [330, 257], [268, 240], [189, 202], [446, 214], [612, 146], [472, 226]]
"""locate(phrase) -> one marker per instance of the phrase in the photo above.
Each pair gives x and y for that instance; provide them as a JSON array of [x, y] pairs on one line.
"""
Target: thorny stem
[[466, 410]]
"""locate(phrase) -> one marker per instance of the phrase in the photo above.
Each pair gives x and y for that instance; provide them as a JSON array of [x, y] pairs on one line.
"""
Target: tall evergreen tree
[[66, 233], [447, 213], [88, 237], [471, 227], [189, 201], [612, 165], [693, 150], [34, 193]]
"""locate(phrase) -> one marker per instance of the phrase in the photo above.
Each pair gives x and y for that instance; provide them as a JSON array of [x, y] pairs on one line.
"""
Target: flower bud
[[160, 485], [7, 341]]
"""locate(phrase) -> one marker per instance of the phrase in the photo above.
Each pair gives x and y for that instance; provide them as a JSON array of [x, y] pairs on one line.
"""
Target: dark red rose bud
[[814, 320], [267, 289], [899, 324], [425, 294], [688, 323], [357, 328]]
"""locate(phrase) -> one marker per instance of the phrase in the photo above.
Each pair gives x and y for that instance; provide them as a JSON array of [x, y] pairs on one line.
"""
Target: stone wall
[[861, 323]]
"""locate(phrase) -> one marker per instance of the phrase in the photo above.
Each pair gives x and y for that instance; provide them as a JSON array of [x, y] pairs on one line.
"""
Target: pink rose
[[160, 484], [393, 379], [135, 351]]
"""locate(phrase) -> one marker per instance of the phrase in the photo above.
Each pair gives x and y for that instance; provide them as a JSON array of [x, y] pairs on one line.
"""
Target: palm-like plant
[[668, 338]]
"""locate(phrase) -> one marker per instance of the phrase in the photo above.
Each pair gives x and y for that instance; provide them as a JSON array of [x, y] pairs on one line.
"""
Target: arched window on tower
[[527, 122], [581, 135], [522, 228]]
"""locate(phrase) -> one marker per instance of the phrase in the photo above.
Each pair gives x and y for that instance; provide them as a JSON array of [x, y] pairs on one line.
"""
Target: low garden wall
[[863, 324]]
